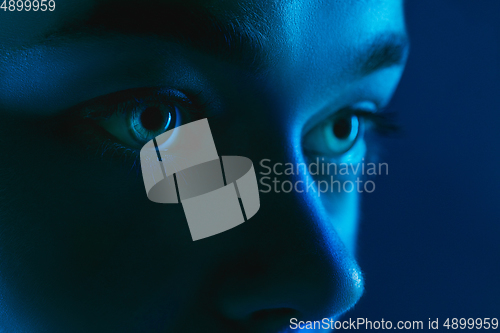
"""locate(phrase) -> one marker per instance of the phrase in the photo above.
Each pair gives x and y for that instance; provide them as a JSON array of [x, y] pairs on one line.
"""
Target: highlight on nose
[[277, 303], [309, 276]]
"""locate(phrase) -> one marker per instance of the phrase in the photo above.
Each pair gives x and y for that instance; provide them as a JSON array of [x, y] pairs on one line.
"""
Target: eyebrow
[[192, 26], [382, 52]]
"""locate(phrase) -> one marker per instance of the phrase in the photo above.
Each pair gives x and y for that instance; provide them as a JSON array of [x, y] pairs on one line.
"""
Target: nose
[[286, 262], [289, 264]]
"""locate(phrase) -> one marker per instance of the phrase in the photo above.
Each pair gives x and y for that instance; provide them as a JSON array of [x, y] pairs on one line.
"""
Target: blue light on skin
[[135, 257]]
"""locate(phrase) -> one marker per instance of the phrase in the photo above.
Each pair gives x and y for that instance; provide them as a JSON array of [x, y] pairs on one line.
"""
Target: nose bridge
[[288, 256]]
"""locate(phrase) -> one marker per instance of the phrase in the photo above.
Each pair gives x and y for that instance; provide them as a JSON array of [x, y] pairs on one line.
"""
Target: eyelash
[[111, 105], [122, 102], [378, 125], [383, 123]]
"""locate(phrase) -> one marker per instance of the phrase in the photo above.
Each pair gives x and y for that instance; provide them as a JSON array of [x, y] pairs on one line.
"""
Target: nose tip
[[269, 306], [286, 262], [299, 290], [295, 274]]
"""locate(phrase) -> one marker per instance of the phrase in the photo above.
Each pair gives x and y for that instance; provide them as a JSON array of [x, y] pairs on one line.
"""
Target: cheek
[[336, 199], [74, 224]]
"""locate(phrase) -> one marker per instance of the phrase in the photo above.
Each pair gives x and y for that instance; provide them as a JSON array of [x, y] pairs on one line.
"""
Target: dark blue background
[[430, 234]]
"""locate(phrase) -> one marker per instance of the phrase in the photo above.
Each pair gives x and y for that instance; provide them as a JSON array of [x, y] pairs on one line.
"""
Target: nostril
[[270, 314], [271, 320]]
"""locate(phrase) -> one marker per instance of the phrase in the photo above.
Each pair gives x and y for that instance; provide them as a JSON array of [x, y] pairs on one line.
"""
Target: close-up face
[[84, 86]]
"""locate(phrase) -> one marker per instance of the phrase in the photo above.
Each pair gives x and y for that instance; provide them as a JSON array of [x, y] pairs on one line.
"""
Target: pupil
[[152, 118], [342, 127]]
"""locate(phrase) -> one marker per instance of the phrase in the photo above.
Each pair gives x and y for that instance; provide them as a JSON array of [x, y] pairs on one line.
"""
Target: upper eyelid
[[123, 101], [123, 107], [328, 115]]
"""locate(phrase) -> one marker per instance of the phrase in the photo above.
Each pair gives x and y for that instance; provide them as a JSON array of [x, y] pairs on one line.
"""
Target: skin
[[82, 249]]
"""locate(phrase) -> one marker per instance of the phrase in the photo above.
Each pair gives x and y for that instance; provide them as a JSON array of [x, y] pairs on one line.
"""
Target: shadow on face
[[82, 88]]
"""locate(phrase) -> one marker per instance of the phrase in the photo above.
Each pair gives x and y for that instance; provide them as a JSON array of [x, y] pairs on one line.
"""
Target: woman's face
[[82, 249]]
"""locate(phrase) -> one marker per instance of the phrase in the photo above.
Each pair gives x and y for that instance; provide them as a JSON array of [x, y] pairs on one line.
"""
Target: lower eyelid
[[88, 142], [79, 128]]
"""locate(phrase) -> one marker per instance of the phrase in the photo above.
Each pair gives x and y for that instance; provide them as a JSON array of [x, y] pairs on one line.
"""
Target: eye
[[150, 121], [142, 123], [136, 117], [334, 136]]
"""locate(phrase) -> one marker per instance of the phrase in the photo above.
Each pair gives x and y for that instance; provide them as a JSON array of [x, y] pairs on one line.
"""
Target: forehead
[[277, 21], [306, 44]]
